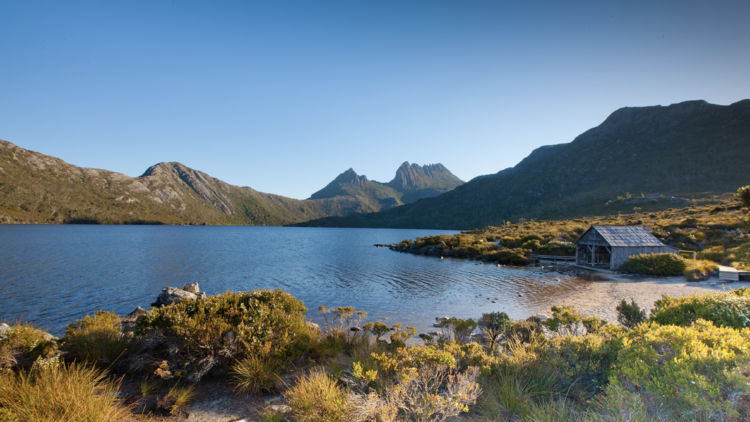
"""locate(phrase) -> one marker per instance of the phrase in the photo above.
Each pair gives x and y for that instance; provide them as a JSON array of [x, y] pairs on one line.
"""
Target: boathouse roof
[[624, 236]]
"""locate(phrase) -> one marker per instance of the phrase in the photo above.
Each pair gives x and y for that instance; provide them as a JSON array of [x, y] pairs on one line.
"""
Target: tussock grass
[[182, 396], [317, 398], [256, 375], [56, 392]]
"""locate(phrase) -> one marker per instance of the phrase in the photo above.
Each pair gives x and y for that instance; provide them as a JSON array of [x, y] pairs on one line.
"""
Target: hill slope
[[684, 149], [37, 188]]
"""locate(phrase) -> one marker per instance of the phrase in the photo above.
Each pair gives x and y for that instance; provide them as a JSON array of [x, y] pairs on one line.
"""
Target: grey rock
[[172, 295], [281, 408], [192, 288], [313, 326], [542, 317], [4, 330], [201, 295]]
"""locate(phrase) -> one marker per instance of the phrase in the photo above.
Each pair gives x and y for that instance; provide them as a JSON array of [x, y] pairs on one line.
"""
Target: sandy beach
[[600, 298]]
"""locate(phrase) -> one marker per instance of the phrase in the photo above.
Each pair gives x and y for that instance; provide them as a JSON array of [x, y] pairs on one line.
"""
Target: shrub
[[630, 315], [697, 371], [582, 362], [317, 398], [457, 329], [55, 392], [347, 318], [97, 339], [725, 309], [22, 345], [563, 318], [494, 324], [256, 374], [664, 264], [743, 195], [220, 329], [697, 270], [421, 383]]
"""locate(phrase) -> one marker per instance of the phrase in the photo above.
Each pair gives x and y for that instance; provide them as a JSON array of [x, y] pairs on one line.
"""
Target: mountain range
[[639, 157], [36, 188]]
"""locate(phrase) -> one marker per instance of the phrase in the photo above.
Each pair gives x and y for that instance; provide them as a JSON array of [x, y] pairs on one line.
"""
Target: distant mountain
[[689, 149], [412, 182], [36, 188], [418, 182]]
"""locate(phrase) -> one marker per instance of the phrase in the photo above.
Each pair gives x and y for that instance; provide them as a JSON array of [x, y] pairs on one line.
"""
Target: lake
[[52, 275]]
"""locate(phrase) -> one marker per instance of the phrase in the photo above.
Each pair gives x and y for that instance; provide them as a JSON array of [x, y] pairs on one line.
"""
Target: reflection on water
[[51, 275]]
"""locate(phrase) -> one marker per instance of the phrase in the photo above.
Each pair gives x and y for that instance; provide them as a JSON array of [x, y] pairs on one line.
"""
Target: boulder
[[4, 330], [312, 326], [127, 322], [542, 317], [172, 295], [192, 288]]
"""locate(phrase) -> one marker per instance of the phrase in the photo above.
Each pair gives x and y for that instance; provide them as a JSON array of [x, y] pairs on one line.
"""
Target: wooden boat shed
[[610, 246]]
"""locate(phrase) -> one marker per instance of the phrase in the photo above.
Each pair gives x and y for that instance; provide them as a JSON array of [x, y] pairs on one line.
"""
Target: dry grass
[[256, 375], [317, 398], [60, 393]]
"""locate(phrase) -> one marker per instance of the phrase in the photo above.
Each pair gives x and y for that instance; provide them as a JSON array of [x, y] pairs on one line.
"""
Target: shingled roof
[[627, 236]]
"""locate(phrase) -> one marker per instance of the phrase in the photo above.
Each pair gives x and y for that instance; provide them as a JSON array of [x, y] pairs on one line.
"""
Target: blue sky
[[283, 96]]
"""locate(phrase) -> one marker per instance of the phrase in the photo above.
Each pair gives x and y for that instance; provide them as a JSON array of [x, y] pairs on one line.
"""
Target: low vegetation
[[717, 231], [688, 361]]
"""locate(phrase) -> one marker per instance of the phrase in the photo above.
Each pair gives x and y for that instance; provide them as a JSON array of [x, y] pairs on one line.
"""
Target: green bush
[[724, 309], [743, 195], [697, 270], [97, 339], [218, 330], [630, 315], [583, 362], [697, 372], [663, 264]]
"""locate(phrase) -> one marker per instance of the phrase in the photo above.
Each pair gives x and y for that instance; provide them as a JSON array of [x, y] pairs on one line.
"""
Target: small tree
[[630, 315], [493, 325], [377, 329], [457, 329], [563, 318]]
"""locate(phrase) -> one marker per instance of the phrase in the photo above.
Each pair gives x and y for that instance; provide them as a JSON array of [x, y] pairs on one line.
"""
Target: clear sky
[[283, 96]]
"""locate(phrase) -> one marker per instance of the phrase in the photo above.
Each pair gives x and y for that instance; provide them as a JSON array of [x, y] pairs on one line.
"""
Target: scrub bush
[[697, 270], [425, 383], [663, 264], [724, 309], [700, 371], [97, 339], [214, 332]]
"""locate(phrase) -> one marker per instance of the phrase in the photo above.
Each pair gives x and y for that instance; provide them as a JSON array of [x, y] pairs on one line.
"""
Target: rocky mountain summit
[[411, 182]]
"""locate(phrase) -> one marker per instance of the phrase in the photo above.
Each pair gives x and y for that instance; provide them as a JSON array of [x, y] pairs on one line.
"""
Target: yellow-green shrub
[[582, 363], [220, 329], [698, 370], [664, 264], [730, 309], [697, 270], [97, 339]]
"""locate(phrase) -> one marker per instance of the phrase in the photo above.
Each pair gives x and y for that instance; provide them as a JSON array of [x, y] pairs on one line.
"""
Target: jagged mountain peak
[[413, 176]]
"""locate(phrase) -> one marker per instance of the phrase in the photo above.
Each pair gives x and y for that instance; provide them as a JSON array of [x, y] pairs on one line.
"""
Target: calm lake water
[[52, 275]]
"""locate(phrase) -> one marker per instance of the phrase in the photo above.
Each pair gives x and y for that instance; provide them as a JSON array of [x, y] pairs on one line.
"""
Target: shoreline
[[600, 298]]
